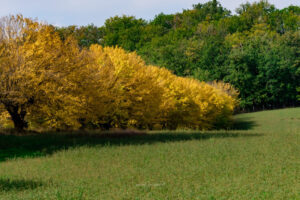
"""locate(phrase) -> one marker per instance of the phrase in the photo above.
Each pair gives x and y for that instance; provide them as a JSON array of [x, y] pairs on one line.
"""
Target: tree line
[[256, 50], [53, 83]]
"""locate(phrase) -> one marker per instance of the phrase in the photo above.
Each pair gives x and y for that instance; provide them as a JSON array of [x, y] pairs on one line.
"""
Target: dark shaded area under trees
[[47, 143], [256, 50]]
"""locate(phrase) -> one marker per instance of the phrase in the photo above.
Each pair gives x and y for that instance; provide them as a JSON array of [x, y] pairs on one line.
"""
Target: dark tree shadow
[[244, 124], [35, 145], [8, 184]]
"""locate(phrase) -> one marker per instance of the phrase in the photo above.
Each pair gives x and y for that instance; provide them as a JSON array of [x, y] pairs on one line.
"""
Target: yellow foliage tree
[[136, 95], [188, 103], [37, 72], [127, 95], [49, 82]]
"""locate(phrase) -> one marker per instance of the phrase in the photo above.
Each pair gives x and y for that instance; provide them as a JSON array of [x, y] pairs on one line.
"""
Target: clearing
[[258, 160]]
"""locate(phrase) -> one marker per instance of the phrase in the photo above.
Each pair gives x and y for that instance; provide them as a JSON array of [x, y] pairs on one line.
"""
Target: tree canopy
[[47, 80], [37, 72], [256, 50]]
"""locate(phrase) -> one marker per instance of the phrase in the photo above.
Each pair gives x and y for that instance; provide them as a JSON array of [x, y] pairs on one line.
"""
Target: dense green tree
[[85, 35], [257, 49], [264, 69], [123, 31]]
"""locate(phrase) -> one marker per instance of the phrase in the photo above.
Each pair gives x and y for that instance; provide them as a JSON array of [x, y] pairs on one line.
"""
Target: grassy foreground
[[258, 160]]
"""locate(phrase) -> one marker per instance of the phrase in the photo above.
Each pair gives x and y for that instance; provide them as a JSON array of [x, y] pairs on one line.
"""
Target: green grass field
[[258, 160]]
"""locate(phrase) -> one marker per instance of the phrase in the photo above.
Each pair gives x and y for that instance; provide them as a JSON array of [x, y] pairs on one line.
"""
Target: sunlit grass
[[258, 160]]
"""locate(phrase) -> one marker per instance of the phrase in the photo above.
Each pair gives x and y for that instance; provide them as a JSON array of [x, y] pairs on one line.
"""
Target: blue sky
[[83, 12]]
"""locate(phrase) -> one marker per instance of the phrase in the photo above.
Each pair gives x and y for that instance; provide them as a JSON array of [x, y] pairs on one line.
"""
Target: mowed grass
[[258, 160]]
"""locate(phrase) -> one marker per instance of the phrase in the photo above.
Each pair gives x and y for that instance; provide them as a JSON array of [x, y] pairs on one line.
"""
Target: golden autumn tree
[[53, 83], [38, 72], [126, 93], [189, 103]]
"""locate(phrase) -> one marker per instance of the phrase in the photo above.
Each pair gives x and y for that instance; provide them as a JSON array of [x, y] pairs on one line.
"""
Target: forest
[[200, 104], [192, 69], [255, 49], [51, 83]]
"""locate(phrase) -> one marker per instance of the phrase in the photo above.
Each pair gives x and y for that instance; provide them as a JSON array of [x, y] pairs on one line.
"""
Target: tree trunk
[[18, 117]]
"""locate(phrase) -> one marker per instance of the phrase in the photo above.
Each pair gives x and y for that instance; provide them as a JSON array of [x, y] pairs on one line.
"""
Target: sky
[[84, 12]]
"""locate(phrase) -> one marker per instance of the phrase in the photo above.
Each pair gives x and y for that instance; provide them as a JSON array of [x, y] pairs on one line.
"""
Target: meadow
[[258, 159]]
